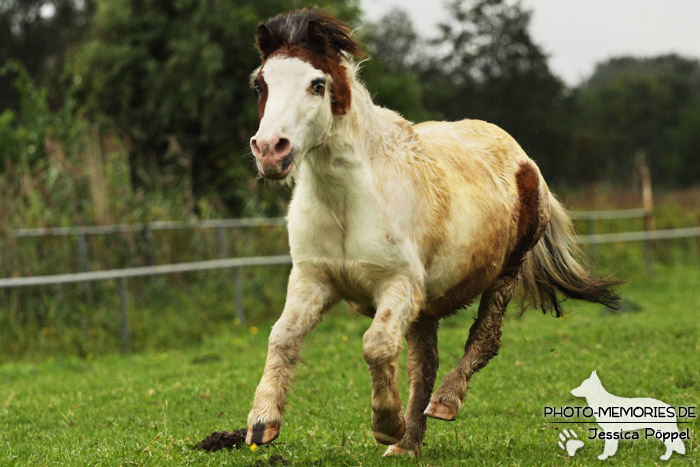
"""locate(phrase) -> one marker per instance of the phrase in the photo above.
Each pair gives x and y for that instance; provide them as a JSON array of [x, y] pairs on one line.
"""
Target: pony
[[406, 222]]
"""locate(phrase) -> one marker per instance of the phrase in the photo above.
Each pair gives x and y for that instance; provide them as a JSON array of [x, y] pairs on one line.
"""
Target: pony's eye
[[257, 87], [318, 85]]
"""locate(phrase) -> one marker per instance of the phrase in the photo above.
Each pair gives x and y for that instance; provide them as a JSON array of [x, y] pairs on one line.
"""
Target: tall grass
[[60, 170], [87, 182]]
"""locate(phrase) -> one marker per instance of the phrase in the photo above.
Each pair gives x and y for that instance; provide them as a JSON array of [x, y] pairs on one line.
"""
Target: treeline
[[168, 80]]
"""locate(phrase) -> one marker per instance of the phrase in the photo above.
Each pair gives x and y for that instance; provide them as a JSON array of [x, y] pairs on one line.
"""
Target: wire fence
[[644, 235], [121, 275], [237, 264], [613, 214], [149, 226]]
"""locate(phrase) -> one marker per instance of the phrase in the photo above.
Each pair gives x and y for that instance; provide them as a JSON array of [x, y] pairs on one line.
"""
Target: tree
[[640, 104], [395, 48], [162, 70], [682, 160], [492, 70], [37, 33], [394, 41]]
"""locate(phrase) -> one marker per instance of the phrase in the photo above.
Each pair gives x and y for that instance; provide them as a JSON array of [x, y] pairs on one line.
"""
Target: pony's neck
[[353, 139], [361, 128]]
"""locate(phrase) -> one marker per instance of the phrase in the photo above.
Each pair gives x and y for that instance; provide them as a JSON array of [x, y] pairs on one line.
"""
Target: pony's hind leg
[[482, 345], [422, 369]]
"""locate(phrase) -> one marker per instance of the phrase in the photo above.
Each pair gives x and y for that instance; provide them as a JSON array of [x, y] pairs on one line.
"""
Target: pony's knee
[[284, 336], [380, 346]]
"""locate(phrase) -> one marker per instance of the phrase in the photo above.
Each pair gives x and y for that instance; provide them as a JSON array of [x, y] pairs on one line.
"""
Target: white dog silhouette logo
[[617, 415]]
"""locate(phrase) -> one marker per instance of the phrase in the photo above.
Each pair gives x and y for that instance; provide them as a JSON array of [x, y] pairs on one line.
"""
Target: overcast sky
[[577, 34]]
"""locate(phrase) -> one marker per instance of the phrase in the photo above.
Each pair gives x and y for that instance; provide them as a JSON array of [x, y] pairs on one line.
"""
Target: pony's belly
[[467, 263], [451, 286]]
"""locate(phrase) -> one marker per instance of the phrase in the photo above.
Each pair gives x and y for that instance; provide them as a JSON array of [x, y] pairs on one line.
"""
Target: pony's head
[[302, 84]]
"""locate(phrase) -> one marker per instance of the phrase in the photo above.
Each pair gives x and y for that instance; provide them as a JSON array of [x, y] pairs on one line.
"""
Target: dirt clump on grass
[[223, 439]]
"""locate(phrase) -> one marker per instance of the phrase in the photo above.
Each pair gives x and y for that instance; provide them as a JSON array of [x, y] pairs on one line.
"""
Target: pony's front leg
[[308, 296], [397, 305]]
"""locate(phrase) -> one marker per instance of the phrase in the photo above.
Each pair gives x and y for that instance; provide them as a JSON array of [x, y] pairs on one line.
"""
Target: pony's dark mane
[[309, 28]]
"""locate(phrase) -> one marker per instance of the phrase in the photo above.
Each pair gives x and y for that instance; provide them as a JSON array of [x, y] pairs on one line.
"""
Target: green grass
[[150, 408]]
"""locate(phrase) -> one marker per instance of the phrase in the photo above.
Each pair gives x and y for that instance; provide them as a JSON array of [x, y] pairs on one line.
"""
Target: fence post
[[221, 241], [648, 204], [124, 311], [83, 264], [238, 283], [698, 237], [147, 237], [592, 231], [82, 252]]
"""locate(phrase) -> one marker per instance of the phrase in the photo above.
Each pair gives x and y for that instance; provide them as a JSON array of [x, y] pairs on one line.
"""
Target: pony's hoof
[[390, 439], [395, 451], [262, 433], [441, 411]]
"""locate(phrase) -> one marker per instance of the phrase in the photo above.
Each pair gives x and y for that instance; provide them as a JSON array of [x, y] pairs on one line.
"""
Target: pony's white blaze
[[292, 112]]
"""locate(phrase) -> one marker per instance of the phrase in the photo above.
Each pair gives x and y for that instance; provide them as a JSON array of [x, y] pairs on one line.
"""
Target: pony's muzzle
[[274, 156]]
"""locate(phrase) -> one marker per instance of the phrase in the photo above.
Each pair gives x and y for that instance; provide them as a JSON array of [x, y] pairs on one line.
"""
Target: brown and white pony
[[408, 223]]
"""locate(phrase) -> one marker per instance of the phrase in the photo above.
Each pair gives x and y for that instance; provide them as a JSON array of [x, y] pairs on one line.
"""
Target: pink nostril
[[282, 146], [254, 146]]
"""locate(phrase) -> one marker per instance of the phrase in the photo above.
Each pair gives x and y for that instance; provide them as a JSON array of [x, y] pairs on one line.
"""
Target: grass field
[[151, 408]]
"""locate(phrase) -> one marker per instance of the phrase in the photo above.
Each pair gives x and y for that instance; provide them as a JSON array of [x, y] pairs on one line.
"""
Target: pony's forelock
[[310, 28]]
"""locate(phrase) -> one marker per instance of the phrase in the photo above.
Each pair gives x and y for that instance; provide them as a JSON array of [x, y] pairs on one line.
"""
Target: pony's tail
[[552, 265]]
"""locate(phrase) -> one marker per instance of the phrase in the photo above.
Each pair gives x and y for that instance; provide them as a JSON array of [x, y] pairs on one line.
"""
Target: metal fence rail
[[643, 235], [82, 232], [144, 271], [612, 214], [152, 226]]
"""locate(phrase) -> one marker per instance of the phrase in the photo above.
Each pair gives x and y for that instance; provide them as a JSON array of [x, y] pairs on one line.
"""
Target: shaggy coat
[[408, 223]]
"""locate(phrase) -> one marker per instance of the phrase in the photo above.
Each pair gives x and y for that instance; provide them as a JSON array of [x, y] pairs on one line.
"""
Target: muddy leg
[[307, 299], [397, 306], [483, 344], [422, 369]]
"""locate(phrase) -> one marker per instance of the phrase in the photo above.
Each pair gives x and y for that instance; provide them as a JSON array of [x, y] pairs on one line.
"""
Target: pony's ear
[[594, 374], [266, 41], [316, 38]]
